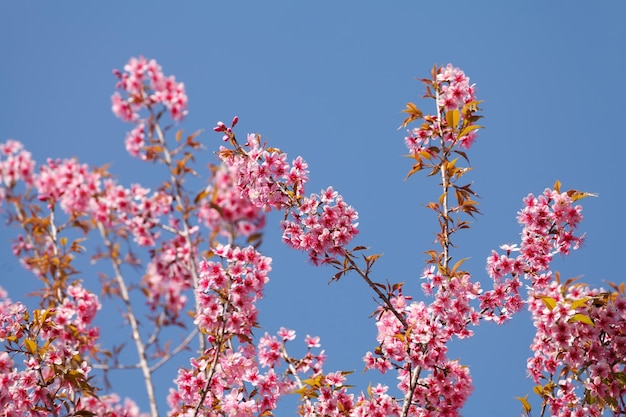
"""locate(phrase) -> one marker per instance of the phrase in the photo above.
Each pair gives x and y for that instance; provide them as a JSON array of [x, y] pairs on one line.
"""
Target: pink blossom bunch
[[334, 400], [443, 392], [69, 183], [455, 96], [323, 225], [456, 90], [233, 374], [444, 385], [265, 177], [580, 339], [135, 140], [145, 85], [11, 316], [225, 209], [16, 165], [227, 297], [110, 406], [132, 207], [549, 221], [380, 404], [76, 312], [420, 137], [52, 343], [167, 277], [242, 281]]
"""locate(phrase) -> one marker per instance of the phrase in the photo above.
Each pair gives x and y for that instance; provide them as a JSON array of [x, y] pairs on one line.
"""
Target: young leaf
[[453, 117], [525, 403], [549, 302], [30, 345], [579, 303], [458, 264], [576, 195], [414, 114], [468, 129], [582, 319]]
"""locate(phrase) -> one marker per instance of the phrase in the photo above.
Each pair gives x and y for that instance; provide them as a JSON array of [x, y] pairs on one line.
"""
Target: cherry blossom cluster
[[549, 223], [581, 341], [55, 342], [16, 165], [145, 86], [138, 210], [264, 176], [227, 296], [455, 96], [225, 211], [332, 399], [110, 406], [69, 183], [321, 225], [456, 90], [443, 384], [80, 190], [230, 373], [167, 277]]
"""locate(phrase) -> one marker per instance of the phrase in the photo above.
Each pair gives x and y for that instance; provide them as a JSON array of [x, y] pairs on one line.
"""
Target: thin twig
[[186, 228], [378, 292], [174, 352], [134, 324]]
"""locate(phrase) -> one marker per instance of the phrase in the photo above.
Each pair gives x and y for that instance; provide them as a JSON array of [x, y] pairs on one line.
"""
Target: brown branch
[[378, 292]]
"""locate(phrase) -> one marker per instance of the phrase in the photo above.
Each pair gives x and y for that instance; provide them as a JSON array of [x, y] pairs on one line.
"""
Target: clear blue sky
[[327, 80]]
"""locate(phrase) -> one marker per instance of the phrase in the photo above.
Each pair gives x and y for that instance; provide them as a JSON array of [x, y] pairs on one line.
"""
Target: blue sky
[[327, 80]]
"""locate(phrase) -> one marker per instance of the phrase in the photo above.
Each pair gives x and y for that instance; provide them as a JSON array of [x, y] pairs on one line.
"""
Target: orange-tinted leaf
[[414, 114], [372, 258], [525, 403], [549, 302], [579, 303], [31, 345], [468, 129], [416, 168], [201, 196], [577, 195], [581, 318], [458, 264], [453, 117]]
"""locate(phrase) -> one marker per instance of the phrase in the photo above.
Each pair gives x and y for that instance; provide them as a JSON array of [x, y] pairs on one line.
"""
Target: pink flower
[[312, 341]]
